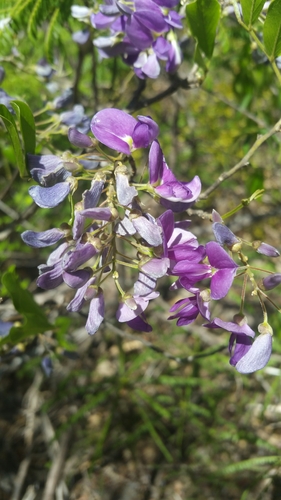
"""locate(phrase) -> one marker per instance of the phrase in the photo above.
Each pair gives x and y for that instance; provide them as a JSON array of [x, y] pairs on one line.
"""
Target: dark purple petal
[[257, 356], [78, 139], [78, 300], [49, 197], [155, 162], [223, 235], [73, 259], [51, 278], [99, 213], [140, 36], [242, 345], [271, 281], [139, 324], [76, 279], [145, 131], [47, 365], [42, 239]]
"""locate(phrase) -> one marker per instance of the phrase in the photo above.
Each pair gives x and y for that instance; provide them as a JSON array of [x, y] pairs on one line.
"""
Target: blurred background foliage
[[127, 421]]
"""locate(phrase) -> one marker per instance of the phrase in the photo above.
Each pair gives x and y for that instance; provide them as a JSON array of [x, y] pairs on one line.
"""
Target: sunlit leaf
[[251, 10], [11, 127], [27, 125], [272, 30], [203, 17]]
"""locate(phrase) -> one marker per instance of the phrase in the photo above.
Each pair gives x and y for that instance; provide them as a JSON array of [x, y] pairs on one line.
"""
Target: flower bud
[[226, 237], [271, 281], [78, 139], [265, 249]]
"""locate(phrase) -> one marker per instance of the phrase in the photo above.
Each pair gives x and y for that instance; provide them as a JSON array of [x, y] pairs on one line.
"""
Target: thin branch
[[244, 162], [177, 83], [153, 347]]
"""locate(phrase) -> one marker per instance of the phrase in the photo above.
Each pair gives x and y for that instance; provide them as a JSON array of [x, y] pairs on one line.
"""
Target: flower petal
[[258, 356], [49, 197]]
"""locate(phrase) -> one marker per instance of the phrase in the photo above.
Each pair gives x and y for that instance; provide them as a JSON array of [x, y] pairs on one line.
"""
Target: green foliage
[[251, 10], [31, 15], [27, 125], [203, 17], [272, 30], [11, 127], [34, 319]]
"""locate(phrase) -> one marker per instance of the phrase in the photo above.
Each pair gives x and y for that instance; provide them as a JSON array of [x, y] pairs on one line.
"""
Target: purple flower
[[176, 195], [225, 270], [186, 310], [42, 239], [96, 310], [246, 356], [48, 170], [49, 197], [132, 307], [120, 131]]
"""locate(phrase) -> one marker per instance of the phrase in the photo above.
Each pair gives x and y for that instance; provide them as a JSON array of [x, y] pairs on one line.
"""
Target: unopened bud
[[226, 237], [271, 281], [265, 249], [216, 216], [78, 139]]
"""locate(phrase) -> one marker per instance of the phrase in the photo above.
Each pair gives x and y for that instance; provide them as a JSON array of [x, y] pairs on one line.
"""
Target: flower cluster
[[110, 228], [141, 31]]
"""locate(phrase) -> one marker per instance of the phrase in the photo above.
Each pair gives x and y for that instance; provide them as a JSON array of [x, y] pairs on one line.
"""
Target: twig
[[177, 83], [242, 163], [57, 467], [153, 347], [31, 402]]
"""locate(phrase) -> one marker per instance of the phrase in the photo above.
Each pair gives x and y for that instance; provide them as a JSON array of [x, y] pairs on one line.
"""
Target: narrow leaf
[[11, 127], [251, 10], [203, 17], [27, 125], [272, 30], [49, 38]]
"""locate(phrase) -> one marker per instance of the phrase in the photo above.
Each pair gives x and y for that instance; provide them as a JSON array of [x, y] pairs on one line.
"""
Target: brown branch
[[244, 162]]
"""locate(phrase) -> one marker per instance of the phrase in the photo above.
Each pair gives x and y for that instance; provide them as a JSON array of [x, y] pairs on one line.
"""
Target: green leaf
[[34, 321], [11, 127], [49, 38], [251, 464], [27, 125], [251, 10], [272, 30], [203, 17]]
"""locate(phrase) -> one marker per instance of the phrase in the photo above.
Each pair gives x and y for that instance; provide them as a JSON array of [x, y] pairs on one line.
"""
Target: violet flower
[[120, 131], [246, 356], [225, 270], [176, 195], [186, 310]]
